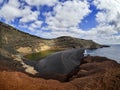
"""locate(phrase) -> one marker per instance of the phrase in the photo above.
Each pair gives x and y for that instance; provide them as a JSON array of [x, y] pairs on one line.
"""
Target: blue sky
[[98, 20]]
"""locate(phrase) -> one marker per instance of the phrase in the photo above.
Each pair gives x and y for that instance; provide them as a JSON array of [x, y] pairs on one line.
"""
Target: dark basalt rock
[[61, 62]]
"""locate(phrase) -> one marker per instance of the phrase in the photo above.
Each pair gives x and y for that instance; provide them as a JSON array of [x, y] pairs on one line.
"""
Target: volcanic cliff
[[13, 41]]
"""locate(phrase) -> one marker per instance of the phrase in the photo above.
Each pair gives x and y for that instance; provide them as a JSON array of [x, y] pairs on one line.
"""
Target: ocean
[[112, 52]]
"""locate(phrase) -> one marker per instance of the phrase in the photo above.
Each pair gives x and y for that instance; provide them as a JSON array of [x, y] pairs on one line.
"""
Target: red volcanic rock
[[94, 65], [109, 80], [20, 81], [95, 73]]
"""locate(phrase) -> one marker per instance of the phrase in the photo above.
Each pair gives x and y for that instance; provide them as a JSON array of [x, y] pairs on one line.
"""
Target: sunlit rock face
[[60, 62]]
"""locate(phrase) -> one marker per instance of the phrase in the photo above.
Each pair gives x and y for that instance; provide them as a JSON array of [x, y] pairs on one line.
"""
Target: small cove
[[112, 52], [39, 55]]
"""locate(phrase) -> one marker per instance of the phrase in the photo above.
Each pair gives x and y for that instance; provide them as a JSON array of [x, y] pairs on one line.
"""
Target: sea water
[[112, 52]]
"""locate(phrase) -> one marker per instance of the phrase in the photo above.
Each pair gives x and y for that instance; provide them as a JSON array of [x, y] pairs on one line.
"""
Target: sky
[[97, 20]]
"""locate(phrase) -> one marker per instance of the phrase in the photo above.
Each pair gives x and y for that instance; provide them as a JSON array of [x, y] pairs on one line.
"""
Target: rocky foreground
[[94, 73]]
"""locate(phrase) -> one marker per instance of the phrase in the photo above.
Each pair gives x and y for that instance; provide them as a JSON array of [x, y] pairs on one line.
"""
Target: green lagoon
[[40, 55]]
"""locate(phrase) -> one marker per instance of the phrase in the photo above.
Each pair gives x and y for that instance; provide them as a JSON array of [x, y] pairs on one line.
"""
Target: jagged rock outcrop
[[13, 41], [95, 73], [61, 62]]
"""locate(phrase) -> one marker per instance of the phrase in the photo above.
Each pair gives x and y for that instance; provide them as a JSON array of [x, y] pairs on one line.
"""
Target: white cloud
[[104, 34], [105, 30], [1, 1], [14, 3], [34, 27], [65, 20], [32, 16], [10, 10], [41, 2], [109, 40], [7, 10], [109, 21], [36, 24], [65, 17], [110, 13], [68, 14]]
